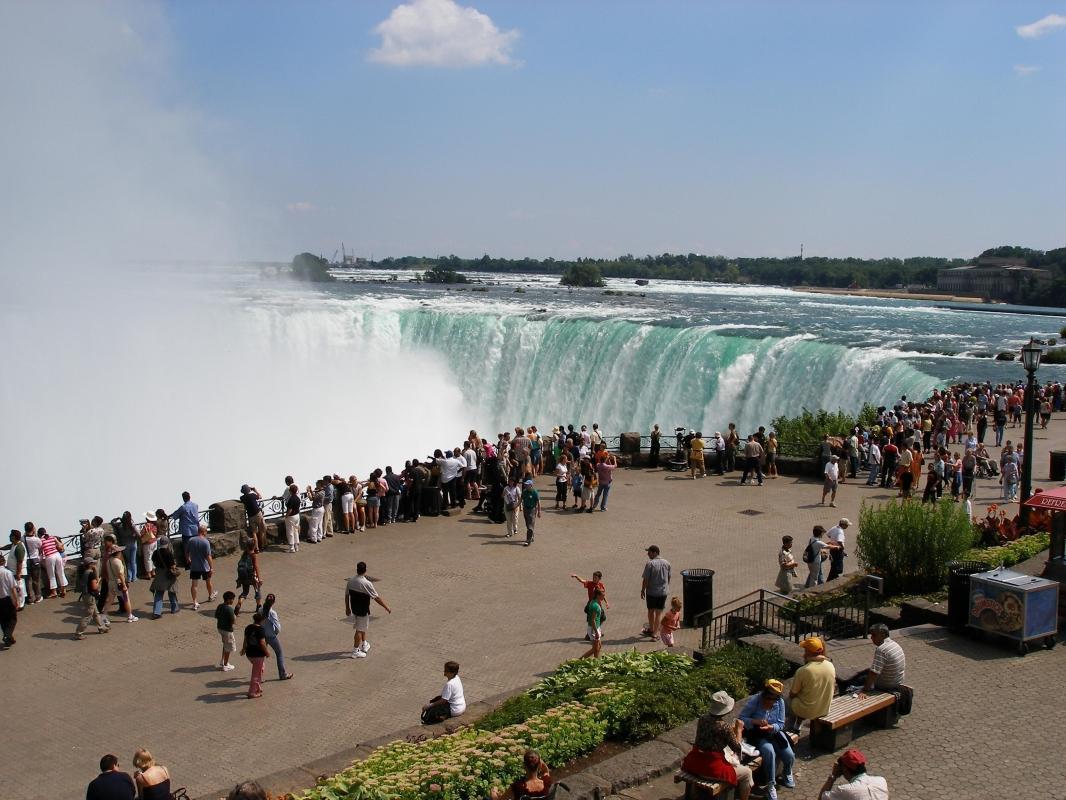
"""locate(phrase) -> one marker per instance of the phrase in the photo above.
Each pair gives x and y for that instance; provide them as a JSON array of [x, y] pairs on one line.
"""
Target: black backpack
[[808, 552]]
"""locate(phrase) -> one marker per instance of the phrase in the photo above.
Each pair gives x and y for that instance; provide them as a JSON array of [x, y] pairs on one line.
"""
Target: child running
[[592, 586], [671, 622]]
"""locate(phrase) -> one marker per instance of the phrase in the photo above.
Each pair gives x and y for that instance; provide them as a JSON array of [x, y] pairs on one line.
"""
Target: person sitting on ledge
[[764, 729], [536, 784], [812, 685], [715, 755], [857, 785], [451, 701], [887, 671]]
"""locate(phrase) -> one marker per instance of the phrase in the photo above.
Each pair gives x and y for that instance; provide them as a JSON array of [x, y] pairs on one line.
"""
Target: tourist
[[374, 494], [359, 591], [272, 629], [969, 471], [772, 446], [917, 462], [812, 686], [857, 785], [152, 780], [249, 790], [292, 520], [753, 453], [148, 541], [933, 481], [252, 501], [531, 510], [831, 474], [33, 561], [604, 476], [52, 560], [535, 450], [394, 492], [248, 576], [92, 536], [537, 783], [470, 470], [317, 496], [450, 468], [327, 506], [512, 495], [117, 587], [451, 702], [420, 478], [732, 442], [814, 555], [825, 453], [903, 468], [889, 458], [873, 461], [562, 481], [695, 456], [8, 603], [671, 622], [255, 649], [89, 597], [653, 448], [577, 481], [1009, 479], [343, 488], [836, 539], [225, 617], [16, 563], [594, 617], [764, 729], [128, 539], [889, 666], [654, 587], [201, 565], [166, 576], [111, 784], [188, 517], [786, 566], [719, 452], [708, 757]]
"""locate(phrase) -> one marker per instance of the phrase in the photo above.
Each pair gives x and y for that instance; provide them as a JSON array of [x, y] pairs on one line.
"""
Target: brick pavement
[[980, 728], [458, 589]]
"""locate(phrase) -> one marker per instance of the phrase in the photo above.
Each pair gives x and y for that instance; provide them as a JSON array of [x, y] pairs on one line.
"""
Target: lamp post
[[1031, 354]]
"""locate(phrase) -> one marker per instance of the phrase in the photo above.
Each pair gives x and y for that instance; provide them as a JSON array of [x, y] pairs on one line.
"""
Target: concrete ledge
[[639, 765]]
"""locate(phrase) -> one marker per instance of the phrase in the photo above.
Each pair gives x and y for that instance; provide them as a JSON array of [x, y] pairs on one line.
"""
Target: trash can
[[959, 573], [697, 594], [1058, 465]]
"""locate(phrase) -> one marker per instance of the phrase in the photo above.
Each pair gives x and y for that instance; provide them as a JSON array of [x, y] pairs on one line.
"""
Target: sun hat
[[774, 685], [844, 522], [834, 457], [852, 760], [528, 482], [813, 645], [721, 704], [149, 516]]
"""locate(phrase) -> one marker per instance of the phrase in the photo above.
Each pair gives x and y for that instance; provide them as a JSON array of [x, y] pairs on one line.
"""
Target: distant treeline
[[841, 273]]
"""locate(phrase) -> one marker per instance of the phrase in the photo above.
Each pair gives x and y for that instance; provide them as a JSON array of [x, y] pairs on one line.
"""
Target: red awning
[[1051, 499]]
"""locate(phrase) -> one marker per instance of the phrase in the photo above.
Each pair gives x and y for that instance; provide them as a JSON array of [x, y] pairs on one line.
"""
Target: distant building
[[993, 278]]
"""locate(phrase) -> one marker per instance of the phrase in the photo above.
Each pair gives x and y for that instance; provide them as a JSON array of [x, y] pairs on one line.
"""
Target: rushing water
[[251, 377]]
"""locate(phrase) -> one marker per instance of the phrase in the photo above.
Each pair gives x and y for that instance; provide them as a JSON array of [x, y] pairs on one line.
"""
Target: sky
[[258, 130]]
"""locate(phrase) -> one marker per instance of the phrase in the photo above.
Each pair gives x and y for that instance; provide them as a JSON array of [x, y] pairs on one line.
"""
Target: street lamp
[[1031, 354]]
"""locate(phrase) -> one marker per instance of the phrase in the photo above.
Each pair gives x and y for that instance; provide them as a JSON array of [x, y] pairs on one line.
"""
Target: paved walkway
[[458, 590], [984, 725]]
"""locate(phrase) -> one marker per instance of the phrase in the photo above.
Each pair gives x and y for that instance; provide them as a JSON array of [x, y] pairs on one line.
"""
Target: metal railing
[[764, 611]]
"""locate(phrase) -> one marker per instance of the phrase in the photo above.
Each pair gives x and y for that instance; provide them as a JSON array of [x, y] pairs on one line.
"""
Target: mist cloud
[[441, 33]]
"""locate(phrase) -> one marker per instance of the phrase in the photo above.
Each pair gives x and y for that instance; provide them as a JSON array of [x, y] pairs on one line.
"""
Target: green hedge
[[1012, 553]]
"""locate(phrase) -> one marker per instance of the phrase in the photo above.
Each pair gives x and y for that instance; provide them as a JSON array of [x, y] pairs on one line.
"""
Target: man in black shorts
[[654, 587]]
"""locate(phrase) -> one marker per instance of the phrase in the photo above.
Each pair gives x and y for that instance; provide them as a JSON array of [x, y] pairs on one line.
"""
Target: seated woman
[[709, 758], [536, 784], [764, 729]]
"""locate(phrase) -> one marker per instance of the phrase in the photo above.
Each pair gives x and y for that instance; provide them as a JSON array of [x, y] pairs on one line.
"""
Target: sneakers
[[771, 792], [79, 636], [357, 653], [292, 549], [788, 781], [832, 505], [132, 618], [228, 667], [366, 646], [212, 596]]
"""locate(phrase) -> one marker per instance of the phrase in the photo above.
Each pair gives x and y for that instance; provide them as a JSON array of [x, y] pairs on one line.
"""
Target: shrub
[[910, 544], [809, 427], [754, 663], [1008, 555], [630, 662]]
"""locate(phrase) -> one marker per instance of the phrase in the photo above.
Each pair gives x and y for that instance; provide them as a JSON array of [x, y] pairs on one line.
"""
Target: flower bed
[[623, 696]]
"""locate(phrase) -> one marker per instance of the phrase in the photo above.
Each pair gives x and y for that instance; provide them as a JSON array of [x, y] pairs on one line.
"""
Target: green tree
[[584, 274], [308, 267]]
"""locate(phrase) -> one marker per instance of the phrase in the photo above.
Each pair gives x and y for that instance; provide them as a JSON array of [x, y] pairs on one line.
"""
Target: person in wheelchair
[[536, 785], [986, 466]]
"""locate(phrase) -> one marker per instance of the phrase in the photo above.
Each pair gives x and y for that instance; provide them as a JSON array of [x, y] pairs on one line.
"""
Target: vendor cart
[[1021, 608]]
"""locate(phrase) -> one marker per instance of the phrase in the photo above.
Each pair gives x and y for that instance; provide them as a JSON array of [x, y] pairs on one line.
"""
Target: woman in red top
[[536, 784], [714, 736]]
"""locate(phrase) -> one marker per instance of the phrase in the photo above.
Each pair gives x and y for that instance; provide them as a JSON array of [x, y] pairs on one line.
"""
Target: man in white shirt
[[832, 476], [8, 600], [451, 702], [855, 783], [836, 536], [470, 480], [449, 471], [873, 460]]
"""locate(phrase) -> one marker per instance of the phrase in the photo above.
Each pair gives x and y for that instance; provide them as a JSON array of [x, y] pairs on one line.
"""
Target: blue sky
[[742, 128]]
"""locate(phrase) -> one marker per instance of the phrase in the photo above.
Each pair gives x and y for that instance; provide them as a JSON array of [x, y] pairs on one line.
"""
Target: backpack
[[808, 552], [245, 569]]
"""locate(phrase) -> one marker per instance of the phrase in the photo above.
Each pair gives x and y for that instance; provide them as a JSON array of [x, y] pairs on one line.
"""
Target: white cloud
[[300, 207], [441, 33], [1025, 70], [1042, 27]]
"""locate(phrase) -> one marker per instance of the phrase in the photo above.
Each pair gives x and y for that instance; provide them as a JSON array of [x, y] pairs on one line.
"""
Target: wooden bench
[[834, 730], [697, 788]]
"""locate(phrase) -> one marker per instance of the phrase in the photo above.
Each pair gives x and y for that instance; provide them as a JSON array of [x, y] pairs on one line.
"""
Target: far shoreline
[[892, 294]]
